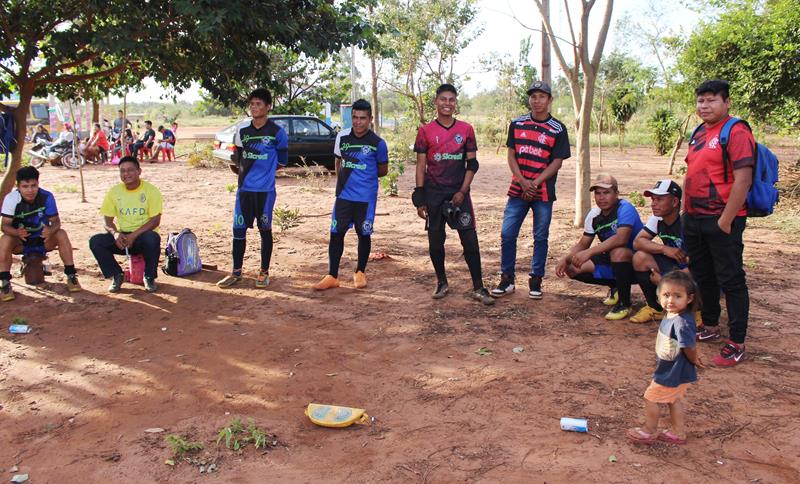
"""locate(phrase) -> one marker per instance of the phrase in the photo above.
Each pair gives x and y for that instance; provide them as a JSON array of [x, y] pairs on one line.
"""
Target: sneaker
[[116, 282], [646, 314], [618, 312], [360, 280], [730, 354], [229, 281], [612, 298], [262, 280], [72, 283], [705, 333], [441, 290], [6, 294], [327, 282], [535, 286], [483, 296], [150, 284], [505, 287]]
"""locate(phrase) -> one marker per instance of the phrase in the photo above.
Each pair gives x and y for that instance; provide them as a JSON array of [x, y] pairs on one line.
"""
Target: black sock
[[69, 270], [266, 249], [364, 247], [588, 278], [648, 289], [5, 276], [436, 249], [238, 254], [335, 251], [472, 254], [624, 275]]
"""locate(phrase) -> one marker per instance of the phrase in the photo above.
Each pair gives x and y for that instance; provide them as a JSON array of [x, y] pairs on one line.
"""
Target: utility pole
[[546, 73]]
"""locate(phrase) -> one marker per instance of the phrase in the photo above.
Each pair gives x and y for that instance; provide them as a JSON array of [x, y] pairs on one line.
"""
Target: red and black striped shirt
[[536, 144]]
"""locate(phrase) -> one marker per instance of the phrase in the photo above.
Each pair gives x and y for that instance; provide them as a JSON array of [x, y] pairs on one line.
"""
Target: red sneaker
[[706, 333], [730, 354]]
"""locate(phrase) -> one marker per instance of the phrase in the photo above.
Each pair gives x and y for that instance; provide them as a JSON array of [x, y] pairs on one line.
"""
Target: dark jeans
[[148, 244], [513, 217], [716, 262]]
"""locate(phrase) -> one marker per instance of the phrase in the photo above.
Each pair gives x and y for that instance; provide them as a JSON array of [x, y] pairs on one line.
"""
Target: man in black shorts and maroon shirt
[[446, 164]]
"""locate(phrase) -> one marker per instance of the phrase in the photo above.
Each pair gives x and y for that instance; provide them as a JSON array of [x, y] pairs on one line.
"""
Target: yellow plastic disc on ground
[[335, 416]]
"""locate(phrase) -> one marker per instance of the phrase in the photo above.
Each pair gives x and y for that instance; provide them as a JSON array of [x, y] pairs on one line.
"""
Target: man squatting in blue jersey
[[361, 158], [261, 145]]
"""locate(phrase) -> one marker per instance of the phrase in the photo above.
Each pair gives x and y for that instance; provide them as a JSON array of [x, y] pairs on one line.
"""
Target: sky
[[502, 34]]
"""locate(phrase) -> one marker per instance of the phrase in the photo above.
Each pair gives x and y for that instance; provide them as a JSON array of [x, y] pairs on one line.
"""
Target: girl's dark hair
[[680, 278]]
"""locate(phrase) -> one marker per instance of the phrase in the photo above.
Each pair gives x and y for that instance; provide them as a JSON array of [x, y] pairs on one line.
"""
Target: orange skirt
[[658, 393]]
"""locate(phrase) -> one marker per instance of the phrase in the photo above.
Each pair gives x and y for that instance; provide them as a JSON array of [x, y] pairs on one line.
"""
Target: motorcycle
[[57, 153]]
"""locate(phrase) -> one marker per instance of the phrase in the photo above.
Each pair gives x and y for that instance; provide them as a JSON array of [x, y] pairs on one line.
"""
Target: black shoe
[[483, 296], [535, 285], [150, 284], [441, 290], [505, 287], [116, 283]]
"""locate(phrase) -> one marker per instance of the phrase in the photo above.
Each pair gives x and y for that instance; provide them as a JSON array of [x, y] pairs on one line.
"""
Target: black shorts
[[462, 219], [347, 213], [253, 206], [667, 264]]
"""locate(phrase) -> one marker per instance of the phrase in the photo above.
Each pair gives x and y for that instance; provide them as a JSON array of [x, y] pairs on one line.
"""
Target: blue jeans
[[515, 213]]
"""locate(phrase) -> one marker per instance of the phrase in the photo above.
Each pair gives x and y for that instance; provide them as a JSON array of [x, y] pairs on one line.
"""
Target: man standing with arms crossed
[[361, 158], [537, 145], [261, 145], [715, 188], [446, 164]]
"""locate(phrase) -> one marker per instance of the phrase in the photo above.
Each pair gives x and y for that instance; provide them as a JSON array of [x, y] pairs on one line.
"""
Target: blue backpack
[[763, 194], [8, 133]]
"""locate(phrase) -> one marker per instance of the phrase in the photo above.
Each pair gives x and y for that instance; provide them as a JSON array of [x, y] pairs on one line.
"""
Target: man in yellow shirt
[[136, 206]]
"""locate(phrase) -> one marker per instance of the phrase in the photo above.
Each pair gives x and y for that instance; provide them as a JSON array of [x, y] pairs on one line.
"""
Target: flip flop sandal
[[670, 438], [639, 436]]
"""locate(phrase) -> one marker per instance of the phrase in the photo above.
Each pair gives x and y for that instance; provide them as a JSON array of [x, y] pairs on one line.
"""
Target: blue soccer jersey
[[358, 173], [33, 216], [623, 214], [260, 148]]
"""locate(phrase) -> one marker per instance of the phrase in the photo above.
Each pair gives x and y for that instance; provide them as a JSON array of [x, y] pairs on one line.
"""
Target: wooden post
[[546, 71]]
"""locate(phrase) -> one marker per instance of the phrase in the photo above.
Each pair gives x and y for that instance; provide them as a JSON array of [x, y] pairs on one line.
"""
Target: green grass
[[180, 445], [236, 436]]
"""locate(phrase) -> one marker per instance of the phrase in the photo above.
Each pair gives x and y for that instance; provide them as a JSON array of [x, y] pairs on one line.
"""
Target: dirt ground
[[77, 394]]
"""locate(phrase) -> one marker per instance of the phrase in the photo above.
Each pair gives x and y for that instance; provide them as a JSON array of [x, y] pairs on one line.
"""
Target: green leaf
[[483, 351]]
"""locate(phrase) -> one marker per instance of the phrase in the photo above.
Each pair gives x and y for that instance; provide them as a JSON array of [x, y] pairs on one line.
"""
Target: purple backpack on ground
[[182, 254]]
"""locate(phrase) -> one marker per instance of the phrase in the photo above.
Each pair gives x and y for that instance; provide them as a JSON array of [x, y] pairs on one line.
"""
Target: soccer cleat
[[618, 312], [262, 280], [483, 296], [6, 294], [646, 314], [730, 355], [535, 286], [229, 281], [72, 283], [441, 290], [116, 282], [505, 287], [150, 284], [360, 280], [705, 333], [612, 298], [327, 282]]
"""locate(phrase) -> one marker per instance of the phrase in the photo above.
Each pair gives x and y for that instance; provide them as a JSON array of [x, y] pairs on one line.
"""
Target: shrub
[[663, 128]]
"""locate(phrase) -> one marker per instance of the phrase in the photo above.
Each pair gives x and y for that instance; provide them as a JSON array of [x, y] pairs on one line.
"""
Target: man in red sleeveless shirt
[[446, 164], [715, 217]]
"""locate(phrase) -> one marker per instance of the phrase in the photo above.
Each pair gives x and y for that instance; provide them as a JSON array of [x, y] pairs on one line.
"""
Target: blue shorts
[[253, 206], [602, 266], [667, 264], [347, 213]]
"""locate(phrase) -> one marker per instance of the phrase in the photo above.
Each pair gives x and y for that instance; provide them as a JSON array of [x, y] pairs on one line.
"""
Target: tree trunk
[[20, 119], [376, 125], [678, 144], [583, 165], [95, 111]]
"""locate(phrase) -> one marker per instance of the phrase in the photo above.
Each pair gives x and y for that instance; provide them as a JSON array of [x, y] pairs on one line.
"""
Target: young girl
[[677, 360]]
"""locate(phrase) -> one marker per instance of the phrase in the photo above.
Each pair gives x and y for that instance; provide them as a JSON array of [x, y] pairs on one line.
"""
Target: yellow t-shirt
[[132, 208]]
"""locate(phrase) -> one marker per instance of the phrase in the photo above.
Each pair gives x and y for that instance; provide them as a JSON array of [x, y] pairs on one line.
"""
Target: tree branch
[[601, 37], [86, 77], [10, 72], [67, 65]]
